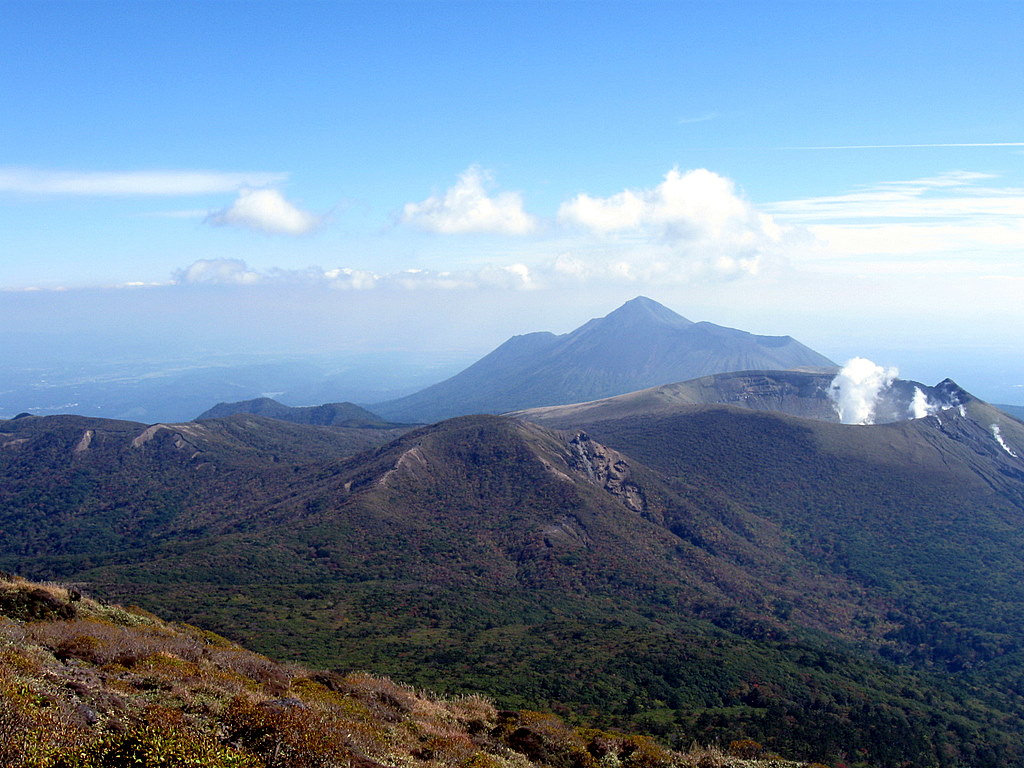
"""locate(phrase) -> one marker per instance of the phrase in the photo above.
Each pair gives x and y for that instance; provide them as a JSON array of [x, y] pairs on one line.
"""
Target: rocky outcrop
[[608, 469]]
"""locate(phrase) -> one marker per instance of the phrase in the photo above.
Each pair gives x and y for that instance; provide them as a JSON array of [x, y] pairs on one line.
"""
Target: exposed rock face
[[608, 469], [85, 442]]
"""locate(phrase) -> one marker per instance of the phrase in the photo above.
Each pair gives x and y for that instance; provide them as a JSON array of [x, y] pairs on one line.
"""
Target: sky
[[187, 177]]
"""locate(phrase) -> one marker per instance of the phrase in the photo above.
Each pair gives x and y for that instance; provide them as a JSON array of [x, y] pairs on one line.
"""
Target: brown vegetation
[[84, 684]]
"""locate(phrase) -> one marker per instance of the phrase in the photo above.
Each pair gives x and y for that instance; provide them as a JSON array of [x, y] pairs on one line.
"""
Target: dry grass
[[84, 685]]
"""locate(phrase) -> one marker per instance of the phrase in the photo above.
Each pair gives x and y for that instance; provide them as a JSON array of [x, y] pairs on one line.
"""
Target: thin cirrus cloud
[[466, 207], [259, 205], [697, 118], [961, 214], [919, 146], [30, 181], [265, 210]]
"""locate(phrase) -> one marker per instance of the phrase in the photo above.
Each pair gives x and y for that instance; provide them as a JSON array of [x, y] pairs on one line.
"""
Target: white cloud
[[130, 183], [692, 223], [265, 210], [466, 207], [690, 205], [217, 272], [952, 196], [237, 272], [356, 279]]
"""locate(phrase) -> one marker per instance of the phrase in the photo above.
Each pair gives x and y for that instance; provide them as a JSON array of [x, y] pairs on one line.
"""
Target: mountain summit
[[641, 344], [641, 313]]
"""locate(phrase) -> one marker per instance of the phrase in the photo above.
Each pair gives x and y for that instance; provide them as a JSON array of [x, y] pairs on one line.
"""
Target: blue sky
[[848, 173]]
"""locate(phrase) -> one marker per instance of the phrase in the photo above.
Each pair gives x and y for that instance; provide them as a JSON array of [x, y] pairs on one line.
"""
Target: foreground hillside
[[85, 685], [701, 573]]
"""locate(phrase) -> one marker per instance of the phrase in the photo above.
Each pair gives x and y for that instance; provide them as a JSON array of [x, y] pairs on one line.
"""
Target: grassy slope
[[84, 684]]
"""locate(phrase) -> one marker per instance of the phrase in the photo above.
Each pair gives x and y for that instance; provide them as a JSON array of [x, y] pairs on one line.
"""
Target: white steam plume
[[998, 435], [921, 406], [856, 389]]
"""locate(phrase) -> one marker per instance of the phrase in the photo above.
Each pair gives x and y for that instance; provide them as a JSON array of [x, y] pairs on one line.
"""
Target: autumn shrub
[[544, 738], [258, 670], [34, 603], [286, 732], [14, 726], [643, 752], [383, 697], [34, 726], [450, 749], [478, 713], [102, 642], [483, 760], [746, 749], [151, 745]]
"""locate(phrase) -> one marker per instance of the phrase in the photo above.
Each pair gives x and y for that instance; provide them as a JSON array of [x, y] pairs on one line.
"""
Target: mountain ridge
[[640, 344], [795, 393], [328, 414]]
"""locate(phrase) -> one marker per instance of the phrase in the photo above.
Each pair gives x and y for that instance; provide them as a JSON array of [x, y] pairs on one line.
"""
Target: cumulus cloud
[[466, 207], [130, 183], [690, 205], [217, 272], [265, 210], [698, 217]]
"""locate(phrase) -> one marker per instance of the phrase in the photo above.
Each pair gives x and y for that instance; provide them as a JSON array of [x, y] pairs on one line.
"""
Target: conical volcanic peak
[[639, 345], [639, 313]]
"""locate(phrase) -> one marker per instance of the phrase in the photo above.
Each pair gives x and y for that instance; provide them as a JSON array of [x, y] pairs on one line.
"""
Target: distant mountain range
[[327, 415], [700, 571], [641, 344]]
